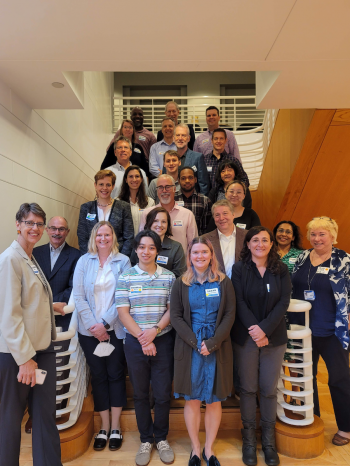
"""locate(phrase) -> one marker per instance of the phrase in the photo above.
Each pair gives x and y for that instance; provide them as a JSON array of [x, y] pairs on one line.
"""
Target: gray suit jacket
[[213, 236], [27, 322]]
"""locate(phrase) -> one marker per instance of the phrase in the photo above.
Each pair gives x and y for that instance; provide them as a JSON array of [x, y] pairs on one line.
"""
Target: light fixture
[[58, 85]]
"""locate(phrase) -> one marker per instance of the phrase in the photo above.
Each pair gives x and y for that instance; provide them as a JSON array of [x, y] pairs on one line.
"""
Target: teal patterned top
[[291, 257]]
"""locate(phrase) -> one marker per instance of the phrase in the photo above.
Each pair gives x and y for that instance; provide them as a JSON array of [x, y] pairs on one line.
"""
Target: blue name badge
[[135, 289], [90, 216], [212, 292], [162, 260], [309, 295]]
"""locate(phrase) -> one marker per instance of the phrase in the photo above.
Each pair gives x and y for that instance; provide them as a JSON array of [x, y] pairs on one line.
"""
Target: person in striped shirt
[[143, 304]]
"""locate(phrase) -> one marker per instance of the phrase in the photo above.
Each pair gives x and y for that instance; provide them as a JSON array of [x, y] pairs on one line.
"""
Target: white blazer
[[27, 322]]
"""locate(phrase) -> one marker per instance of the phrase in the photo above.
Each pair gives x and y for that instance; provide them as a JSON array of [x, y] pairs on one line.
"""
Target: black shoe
[[28, 426], [212, 461], [194, 460], [115, 440], [249, 447], [101, 440], [268, 444]]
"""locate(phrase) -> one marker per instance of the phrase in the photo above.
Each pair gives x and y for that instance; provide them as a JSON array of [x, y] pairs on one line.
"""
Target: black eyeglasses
[[31, 224], [166, 188]]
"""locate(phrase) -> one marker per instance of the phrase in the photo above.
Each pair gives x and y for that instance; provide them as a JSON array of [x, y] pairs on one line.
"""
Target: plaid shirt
[[212, 161], [200, 205]]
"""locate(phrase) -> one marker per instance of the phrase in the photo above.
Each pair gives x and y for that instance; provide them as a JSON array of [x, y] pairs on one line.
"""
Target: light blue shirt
[[54, 254], [156, 156], [84, 279]]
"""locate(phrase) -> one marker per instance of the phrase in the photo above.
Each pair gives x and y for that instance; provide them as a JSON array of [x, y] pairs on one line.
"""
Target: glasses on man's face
[[282, 230], [31, 224], [60, 230], [166, 188]]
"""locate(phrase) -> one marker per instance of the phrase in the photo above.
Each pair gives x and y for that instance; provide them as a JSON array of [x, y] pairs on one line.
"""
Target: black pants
[[158, 369], [42, 404], [107, 373], [337, 363]]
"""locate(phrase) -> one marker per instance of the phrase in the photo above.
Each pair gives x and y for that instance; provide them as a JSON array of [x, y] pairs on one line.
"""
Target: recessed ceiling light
[[58, 85]]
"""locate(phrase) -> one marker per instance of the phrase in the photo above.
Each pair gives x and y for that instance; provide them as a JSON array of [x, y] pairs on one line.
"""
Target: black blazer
[[120, 218], [137, 158], [273, 324], [61, 276], [160, 136]]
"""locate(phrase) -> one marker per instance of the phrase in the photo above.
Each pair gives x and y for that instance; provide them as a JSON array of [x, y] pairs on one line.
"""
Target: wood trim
[[341, 117]]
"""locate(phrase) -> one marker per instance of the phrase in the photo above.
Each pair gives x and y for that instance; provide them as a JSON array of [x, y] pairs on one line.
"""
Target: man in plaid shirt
[[188, 197]]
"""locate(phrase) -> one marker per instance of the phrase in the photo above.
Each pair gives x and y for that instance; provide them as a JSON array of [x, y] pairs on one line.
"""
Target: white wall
[[51, 156]]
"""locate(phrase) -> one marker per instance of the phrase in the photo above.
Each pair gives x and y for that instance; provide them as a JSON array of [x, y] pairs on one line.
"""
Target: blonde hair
[[326, 223], [92, 248], [212, 273]]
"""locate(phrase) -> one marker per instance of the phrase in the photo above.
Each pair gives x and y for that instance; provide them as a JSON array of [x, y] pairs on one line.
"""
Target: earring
[[18, 232]]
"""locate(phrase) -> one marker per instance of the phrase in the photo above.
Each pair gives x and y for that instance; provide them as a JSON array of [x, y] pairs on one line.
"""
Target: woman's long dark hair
[[226, 163], [297, 241], [124, 195], [151, 216], [273, 259]]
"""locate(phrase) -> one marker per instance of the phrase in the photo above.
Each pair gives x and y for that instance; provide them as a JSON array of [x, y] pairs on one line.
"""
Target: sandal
[[339, 440]]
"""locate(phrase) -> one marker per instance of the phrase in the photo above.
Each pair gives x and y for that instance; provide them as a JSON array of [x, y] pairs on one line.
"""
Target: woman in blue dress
[[202, 310]]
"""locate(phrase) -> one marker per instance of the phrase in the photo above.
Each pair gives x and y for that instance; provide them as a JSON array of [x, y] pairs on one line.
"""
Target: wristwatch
[[106, 326], [158, 329]]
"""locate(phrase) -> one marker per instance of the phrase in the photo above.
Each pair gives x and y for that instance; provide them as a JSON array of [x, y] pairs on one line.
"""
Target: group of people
[[178, 282]]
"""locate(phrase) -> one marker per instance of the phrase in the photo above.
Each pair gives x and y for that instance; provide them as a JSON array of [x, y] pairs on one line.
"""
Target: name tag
[[323, 270], [210, 169], [35, 270], [309, 295], [162, 260], [180, 203], [205, 140], [241, 225], [135, 289], [212, 292], [292, 260], [177, 223], [194, 168], [141, 210], [142, 138], [90, 216], [161, 153], [137, 150]]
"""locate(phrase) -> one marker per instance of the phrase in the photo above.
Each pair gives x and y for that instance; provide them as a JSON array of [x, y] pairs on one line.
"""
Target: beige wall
[[50, 156]]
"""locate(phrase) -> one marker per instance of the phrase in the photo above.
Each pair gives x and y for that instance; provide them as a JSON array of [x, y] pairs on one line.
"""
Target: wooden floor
[[227, 446]]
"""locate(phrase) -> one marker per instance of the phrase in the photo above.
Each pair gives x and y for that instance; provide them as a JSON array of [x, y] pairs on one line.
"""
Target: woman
[[171, 256], [245, 218], [202, 313], [94, 284], [321, 275], [27, 327], [226, 172], [118, 213], [288, 240], [127, 129], [133, 191], [262, 285]]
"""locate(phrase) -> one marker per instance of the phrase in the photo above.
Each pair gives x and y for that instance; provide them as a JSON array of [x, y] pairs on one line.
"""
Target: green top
[[290, 258]]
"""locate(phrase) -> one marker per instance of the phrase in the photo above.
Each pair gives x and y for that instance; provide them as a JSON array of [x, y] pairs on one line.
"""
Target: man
[[58, 260], [227, 240], [197, 203], [203, 142], [172, 111], [189, 158], [123, 151], [159, 148], [183, 223], [143, 304], [171, 163]]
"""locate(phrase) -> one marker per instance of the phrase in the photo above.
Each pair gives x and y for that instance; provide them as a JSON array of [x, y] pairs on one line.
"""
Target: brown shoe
[[339, 440], [28, 426]]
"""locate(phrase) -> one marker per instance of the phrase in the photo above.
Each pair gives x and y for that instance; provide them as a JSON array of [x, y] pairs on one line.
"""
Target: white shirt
[[54, 254], [228, 249], [104, 289], [119, 173], [136, 213], [103, 215]]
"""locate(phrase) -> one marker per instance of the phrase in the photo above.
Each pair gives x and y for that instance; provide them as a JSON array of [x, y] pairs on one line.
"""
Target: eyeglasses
[[60, 230], [287, 232], [31, 224], [166, 188], [323, 218], [123, 148], [128, 127]]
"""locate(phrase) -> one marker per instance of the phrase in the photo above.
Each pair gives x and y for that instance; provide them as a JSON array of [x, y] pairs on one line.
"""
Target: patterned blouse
[[290, 258]]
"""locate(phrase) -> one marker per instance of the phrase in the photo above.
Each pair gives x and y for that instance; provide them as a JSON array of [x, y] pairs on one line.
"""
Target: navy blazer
[[61, 276]]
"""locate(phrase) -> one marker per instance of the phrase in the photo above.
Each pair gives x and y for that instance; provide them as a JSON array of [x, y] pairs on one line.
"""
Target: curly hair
[[222, 166], [124, 195], [297, 241], [274, 263]]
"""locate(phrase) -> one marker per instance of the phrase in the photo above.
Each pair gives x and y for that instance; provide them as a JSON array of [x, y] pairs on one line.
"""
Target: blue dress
[[204, 306]]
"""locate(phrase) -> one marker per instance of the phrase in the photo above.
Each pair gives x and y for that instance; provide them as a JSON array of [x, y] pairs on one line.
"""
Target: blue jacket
[[339, 276], [83, 290]]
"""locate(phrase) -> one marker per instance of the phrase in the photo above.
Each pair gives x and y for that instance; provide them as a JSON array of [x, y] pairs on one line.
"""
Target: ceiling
[[299, 48]]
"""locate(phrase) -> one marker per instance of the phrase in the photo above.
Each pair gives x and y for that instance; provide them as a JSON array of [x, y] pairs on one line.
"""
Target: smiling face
[[166, 190], [172, 112], [134, 179], [127, 130], [284, 235], [187, 180], [146, 251], [321, 240], [168, 129], [235, 194], [137, 117], [123, 153], [200, 257], [104, 239], [213, 119], [160, 225], [104, 188], [223, 218], [171, 163], [260, 246], [57, 229], [30, 235], [227, 174], [219, 141], [181, 137]]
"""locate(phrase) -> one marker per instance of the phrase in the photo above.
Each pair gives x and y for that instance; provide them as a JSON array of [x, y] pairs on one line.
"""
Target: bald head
[[58, 230], [166, 190]]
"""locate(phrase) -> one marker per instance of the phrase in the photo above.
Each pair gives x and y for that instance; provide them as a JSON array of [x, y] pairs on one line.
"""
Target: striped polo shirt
[[147, 296]]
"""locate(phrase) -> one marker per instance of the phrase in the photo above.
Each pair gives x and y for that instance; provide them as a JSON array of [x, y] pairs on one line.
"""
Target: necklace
[[308, 275], [105, 205]]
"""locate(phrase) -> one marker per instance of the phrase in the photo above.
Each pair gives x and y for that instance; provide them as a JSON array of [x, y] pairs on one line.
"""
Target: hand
[[99, 332], [256, 333], [147, 336], [149, 350], [263, 342], [204, 350], [58, 307], [26, 372]]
